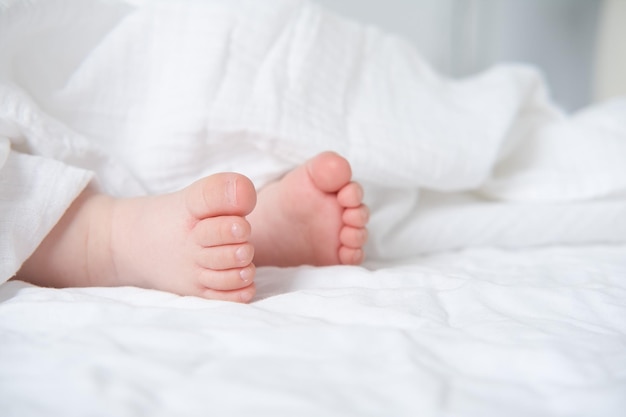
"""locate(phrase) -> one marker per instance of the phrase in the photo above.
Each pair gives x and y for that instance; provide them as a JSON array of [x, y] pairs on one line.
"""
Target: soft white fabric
[[482, 332], [427, 222], [5, 148], [186, 82]]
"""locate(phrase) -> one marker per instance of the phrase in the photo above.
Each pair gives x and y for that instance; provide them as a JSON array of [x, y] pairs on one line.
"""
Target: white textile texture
[[483, 332]]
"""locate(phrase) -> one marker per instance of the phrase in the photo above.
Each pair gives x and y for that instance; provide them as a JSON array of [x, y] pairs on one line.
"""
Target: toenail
[[244, 254], [366, 215], [246, 274], [231, 192], [360, 193], [237, 231], [246, 296]]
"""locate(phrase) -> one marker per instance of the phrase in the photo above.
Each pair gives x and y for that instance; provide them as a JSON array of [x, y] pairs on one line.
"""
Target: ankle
[[75, 253], [100, 267]]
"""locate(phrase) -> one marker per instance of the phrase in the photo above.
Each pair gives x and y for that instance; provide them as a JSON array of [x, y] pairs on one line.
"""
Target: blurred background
[[580, 45]]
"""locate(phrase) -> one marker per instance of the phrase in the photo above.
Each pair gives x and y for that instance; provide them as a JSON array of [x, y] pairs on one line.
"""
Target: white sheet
[[483, 332]]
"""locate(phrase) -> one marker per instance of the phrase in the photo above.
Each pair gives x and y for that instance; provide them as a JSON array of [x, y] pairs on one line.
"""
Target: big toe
[[221, 194], [329, 171]]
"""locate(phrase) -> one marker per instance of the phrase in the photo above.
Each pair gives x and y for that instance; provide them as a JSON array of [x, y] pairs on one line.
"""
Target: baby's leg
[[192, 242]]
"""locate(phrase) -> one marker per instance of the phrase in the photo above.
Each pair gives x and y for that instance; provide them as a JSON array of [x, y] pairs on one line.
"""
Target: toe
[[226, 256], [220, 194], [350, 256], [222, 230], [351, 195], [356, 217], [329, 171], [353, 237], [243, 295], [231, 279]]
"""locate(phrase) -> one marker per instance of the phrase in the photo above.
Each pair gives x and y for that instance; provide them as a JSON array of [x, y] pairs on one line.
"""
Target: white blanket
[[144, 97], [486, 333]]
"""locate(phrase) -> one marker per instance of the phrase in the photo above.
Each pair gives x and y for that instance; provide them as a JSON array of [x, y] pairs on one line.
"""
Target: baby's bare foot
[[314, 215], [192, 242]]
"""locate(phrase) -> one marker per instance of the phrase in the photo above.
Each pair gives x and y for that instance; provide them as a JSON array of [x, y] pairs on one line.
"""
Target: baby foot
[[193, 242], [314, 215]]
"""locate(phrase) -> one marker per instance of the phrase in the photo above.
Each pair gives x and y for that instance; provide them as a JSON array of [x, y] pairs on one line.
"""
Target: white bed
[[495, 283]]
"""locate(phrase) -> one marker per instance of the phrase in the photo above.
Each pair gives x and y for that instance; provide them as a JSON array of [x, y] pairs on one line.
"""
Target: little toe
[[222, 230], [356, 217], [351, 256], [226, 280], [353, 237], [226, 256], [351, 195], [220, 194], [329, 171], [242, 295]]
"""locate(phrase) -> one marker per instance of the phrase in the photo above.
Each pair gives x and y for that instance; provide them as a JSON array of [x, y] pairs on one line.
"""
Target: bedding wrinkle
[[320, 333]]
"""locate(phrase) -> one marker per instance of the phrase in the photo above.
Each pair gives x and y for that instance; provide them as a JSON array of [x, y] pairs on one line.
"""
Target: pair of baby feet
[[206, 239], [210, 236]]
